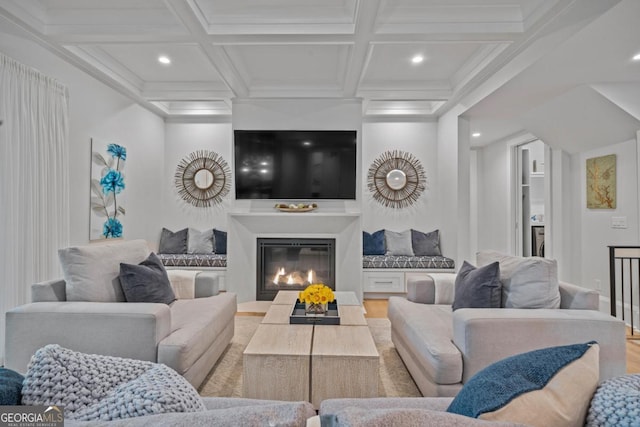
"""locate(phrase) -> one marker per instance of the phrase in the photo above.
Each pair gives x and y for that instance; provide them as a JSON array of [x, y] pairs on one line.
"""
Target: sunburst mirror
[[396, 179], [203, 178]]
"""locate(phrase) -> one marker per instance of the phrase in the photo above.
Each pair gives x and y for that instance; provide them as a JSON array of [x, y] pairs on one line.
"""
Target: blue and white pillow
[[547, 387], [616, 403]]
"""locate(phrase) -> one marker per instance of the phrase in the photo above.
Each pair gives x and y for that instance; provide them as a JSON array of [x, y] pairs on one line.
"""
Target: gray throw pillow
[[527, 282], [146, 282], [398, 243], [174, 243], [200, 242], [478, 287], [426, 244], [91, 271]]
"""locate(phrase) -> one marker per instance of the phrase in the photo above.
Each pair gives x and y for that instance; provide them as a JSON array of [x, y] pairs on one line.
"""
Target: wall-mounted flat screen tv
[[295, 164]]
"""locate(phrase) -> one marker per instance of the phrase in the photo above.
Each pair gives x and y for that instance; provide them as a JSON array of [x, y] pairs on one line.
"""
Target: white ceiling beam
[[105, 64], [89, 38], [269, 39], [476, 63], [451, 27], [366, 14], [434, 94], [110, 80], [183, 9]]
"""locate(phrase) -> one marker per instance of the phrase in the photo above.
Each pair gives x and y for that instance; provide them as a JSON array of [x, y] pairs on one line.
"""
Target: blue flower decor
[[112, 182], [104, 191]]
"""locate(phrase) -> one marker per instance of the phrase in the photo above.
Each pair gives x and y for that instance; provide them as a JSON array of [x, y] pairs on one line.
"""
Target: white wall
[[595, 224], [97, 111], [494, 197], [419, 139], [447, 157], [181, 139]]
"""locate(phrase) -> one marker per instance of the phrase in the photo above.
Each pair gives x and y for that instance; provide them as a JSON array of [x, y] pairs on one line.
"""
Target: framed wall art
[[107, 190], [601, 182]]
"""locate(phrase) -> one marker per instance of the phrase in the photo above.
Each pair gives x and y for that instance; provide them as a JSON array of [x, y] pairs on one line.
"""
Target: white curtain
[[34, 185]]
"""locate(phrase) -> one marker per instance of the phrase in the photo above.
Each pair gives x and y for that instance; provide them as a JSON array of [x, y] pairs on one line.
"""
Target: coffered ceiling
[[226, 49]]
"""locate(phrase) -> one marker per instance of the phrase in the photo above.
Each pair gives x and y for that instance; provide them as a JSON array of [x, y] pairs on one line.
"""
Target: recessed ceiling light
[[476, 134], [636, 57], [417, 59], [164, 60]]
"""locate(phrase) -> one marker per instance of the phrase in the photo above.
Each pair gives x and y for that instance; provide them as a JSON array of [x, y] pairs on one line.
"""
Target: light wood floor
[[378, 308]]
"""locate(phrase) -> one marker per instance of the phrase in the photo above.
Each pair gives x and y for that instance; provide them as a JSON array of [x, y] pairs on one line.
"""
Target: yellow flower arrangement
[[317, 294]]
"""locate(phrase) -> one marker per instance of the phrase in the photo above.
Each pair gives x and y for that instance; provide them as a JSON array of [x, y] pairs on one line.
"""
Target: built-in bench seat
[[194, 260], [402, 261], [191, 249], [392, 259], [387, 275]]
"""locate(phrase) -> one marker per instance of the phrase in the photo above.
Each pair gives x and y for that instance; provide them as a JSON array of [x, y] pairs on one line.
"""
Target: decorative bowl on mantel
[[296, 207]]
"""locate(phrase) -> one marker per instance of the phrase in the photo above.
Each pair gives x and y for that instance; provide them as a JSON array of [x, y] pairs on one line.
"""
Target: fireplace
[[292, 264]]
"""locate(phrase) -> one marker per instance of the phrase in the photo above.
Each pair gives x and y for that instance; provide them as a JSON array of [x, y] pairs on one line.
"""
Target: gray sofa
[[443, 349], [220, 411], [405, 411], [86, 312]]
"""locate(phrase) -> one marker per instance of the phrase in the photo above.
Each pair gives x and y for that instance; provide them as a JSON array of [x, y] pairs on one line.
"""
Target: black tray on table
[[299, 317]]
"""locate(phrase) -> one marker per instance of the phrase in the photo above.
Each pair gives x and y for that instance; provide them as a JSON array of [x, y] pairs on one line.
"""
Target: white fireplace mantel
[[245, 227]]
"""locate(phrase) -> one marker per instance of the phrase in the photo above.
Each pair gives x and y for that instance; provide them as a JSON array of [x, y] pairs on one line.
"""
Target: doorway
[[531, 183]]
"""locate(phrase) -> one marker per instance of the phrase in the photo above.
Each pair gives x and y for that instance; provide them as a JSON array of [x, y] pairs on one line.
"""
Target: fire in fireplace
[[293, 264]]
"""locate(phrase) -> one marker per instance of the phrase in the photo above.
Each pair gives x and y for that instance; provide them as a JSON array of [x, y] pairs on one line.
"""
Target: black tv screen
[[300, 164]]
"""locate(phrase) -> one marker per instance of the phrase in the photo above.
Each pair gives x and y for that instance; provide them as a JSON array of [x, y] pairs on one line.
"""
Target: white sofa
[[189, 335], [443, 349]]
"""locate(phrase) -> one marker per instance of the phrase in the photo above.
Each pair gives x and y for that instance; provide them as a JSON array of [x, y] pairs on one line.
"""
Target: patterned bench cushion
[[194, 260], [401, 261]]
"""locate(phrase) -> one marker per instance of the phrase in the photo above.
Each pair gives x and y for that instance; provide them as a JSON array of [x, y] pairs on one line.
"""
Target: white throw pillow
[[526, 282], [91, 272]]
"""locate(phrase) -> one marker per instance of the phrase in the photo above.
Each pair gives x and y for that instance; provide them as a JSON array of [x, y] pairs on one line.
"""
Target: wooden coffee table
[[311, 362]]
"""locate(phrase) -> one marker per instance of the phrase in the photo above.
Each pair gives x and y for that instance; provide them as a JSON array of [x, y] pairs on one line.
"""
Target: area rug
[[225, 379]]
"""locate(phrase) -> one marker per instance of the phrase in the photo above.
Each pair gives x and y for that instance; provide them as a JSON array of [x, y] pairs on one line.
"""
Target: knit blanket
[[95, 387]]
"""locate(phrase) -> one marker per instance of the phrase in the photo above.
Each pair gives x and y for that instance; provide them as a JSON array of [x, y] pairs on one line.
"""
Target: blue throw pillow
[[220, 241], [548, 387], [10, 387], [373, 244], [478, 287]]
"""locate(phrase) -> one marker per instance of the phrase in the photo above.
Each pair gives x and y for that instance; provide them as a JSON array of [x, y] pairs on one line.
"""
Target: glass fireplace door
[[293, 264]]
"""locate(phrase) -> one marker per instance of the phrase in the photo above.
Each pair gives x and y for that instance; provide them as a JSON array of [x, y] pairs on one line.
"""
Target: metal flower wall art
[[107, 184], [396, 179], [203, 178]]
